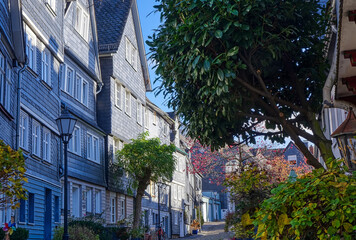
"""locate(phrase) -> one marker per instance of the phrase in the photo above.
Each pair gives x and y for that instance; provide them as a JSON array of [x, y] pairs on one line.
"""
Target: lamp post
[[215, 206], [345, 136], [66, 123], [292, 176]]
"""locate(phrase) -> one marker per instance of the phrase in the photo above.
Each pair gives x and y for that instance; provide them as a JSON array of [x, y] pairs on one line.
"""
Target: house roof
[[111, 17]]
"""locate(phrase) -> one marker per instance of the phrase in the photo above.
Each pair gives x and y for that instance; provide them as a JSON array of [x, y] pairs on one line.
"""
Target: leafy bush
[[320, 205], [248, 188], [94, 226], [76, 233], [230, 220], [19, 234]]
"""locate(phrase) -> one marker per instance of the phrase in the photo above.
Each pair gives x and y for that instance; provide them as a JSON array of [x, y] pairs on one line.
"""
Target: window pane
[[31, 208]]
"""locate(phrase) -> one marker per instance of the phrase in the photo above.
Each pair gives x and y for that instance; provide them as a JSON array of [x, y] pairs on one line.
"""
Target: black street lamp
[[66, 123], [345, 135]]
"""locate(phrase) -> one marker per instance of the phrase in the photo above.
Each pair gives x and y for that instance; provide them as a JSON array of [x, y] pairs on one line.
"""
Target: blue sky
[[149, 22]]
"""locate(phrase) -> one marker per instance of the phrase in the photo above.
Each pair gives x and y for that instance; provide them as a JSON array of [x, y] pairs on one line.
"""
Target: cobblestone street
[[212, 231]]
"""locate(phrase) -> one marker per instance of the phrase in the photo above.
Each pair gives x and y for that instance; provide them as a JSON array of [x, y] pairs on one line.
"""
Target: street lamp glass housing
[[345, 136], [66, 123]]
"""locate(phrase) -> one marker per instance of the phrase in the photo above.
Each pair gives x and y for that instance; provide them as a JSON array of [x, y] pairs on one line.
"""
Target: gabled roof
[[111, 18]]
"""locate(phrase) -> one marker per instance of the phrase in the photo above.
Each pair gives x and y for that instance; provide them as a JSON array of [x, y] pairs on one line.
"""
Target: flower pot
[[195, 231]]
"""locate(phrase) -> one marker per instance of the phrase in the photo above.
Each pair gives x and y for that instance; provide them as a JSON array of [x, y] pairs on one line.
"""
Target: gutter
[[19, 88]]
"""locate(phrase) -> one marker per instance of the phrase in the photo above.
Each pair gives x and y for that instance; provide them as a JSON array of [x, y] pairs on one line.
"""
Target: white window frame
[[46, 66], [46, 144], [24, 128], [36, 138], [139, 112], [51, 4], [2, 78], [76, 205], [117, 145], [69, 86], [128, 102], [31, 43], [118, 95], [113, 209], [89, 200], [98, 201], [8, 87], [93, 148], [82, 22], [131, 53], [75, 141], [85, 92], [147, 118], [78, 87], [154, 118], [165, 129], [123, 208]]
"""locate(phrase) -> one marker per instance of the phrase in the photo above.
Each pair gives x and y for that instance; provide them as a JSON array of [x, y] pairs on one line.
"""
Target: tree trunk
[[142, 185]]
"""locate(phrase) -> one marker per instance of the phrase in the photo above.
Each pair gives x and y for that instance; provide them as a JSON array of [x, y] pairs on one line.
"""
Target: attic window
[[82, 22], [131, 54]]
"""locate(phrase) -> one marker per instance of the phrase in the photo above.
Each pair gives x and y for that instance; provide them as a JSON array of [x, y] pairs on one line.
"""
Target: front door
[[48, 214]]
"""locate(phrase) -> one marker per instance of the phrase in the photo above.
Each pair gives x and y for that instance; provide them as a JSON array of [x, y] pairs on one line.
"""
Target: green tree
[[229, 65], [146, 160], [12, 176]]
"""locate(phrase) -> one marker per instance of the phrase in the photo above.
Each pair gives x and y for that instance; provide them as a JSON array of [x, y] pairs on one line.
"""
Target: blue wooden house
[[293, 155]]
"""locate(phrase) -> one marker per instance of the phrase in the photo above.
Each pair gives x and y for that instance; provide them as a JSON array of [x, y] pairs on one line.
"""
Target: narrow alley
[[212, 231]]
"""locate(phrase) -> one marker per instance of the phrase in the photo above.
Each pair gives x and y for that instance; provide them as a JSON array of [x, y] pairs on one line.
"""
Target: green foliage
[[230, 220], [320, 205], [76, 233], [19, 234], [227, 64], [248, 188], [147, 159], [137, 233], [12, 176]]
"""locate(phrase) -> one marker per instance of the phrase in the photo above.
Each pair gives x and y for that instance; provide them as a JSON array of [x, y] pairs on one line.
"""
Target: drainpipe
[[101, 84], [19, 76]]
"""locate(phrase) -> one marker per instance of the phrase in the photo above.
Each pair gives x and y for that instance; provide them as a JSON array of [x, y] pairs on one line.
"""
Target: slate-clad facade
[[80, 84], [122, 99], [86, 56], [40, 106]]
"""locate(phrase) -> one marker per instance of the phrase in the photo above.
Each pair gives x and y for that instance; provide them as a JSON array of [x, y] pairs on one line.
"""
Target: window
[[118, 98], [131, 54], [2, 78], [69, 81], [118, 145], [85, 92], [122, 206], [24, 130], [165, 129], [51, 4], [128, 103], [98, 202], [78, 87], [22, 211], [93, 151], [139, 112], [8, 87], [82, 22], [75, 201], [31, 208], [89, 201], [56, 209], [147, 120], [46, 145], [74, 143], [113, 209], [292, 159], [5, 212], [36, 138], [31, 48], [46, 66], [176, 218], [154, 118]]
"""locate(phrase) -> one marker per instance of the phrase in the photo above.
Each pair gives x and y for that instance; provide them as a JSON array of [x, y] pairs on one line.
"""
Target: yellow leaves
[[348, 227], [282, 221], [246, 220], [261, 231]]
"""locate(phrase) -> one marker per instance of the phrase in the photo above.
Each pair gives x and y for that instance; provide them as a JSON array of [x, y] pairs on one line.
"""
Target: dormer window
[[82, 22]]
